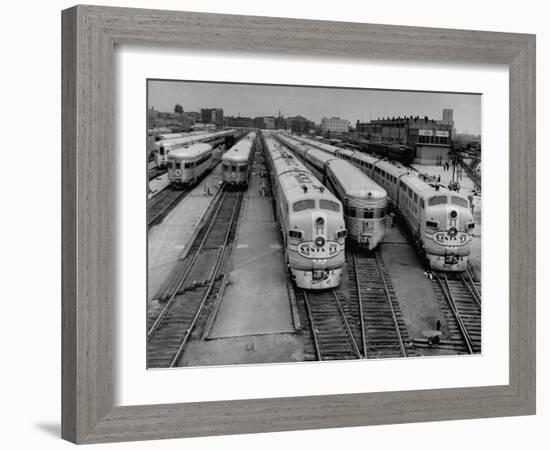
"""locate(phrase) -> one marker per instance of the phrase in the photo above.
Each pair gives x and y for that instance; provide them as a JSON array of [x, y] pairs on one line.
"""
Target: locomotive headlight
[[452, 231], [319, 241], [319, 221], [453, 214]]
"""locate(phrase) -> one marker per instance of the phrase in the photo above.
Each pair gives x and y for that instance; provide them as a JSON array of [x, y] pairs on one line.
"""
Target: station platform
[[416, 297], [255, 300], [257, 349], [168, 241], [467, 186], [157, 184]]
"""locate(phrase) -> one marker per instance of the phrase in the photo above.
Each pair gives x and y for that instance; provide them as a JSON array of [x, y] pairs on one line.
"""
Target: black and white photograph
[[293, 224]]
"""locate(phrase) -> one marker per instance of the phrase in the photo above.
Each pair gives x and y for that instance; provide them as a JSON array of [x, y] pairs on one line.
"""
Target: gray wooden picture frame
[[90, 34]]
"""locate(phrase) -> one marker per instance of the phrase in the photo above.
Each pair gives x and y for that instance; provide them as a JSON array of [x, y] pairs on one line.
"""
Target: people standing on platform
[[389, 220]]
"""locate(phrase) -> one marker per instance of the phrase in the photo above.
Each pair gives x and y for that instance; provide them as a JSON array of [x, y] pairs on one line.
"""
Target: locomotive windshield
[[459, 201], [437, 200], [329, 205], [302, 205]]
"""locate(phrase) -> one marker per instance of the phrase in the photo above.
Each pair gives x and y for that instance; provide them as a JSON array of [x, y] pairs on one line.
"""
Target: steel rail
[[388, 297], [346, 324], [161, 212], [189, 330], [361, 314], [473, 287], [446, 289], [173, 296], [313, 328], [155, 172], [468, 286]]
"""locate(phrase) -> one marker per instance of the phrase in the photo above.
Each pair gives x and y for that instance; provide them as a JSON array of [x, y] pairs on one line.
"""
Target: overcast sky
[[314, 103]]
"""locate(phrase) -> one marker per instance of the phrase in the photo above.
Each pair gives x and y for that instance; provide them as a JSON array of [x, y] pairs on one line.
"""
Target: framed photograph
[[268, 230]]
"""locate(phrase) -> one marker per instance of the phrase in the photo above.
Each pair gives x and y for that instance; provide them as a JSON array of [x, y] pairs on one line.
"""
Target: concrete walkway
[[256, 300], [168, 240], [417, 300]]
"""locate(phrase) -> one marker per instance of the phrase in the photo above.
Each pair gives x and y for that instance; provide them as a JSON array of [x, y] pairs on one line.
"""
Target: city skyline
[[314, 103]]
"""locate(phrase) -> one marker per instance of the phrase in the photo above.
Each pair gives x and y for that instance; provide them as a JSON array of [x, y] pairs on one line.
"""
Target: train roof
[[319, 155], [302, 185], [410, 178], [297, 182], [192, 139], [285, 161], [240, 152], [190, 152], [186, 140], [354, 182], [393, 168], [321, 145], [294, 143], [158, 130], [365, 157], [425, 189], [170, 136], [346, 151]]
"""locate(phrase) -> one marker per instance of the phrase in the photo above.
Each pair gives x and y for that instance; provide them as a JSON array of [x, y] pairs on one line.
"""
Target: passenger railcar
[[158, 130], [364, 200], [170, 136], [311, 219], [163, 148], [440, 220], [236, 162], [401, 153], [186, 165]]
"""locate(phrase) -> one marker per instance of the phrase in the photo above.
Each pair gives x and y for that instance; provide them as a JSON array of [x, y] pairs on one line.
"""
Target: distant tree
[[178, 109]]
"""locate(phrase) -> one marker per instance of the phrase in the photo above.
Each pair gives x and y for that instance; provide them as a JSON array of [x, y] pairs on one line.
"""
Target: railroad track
[[155, 172], [379, 325], [331, 331], [460, 298], [162, 203], [193, 289]]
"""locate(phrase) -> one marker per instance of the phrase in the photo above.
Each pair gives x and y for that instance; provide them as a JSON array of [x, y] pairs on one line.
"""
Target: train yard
[[196, 281], [220, 291]]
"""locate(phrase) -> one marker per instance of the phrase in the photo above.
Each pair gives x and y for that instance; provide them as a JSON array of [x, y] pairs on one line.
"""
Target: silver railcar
[[440, 220], [187, 165], [236, 162], [311, 219], [364, 200]]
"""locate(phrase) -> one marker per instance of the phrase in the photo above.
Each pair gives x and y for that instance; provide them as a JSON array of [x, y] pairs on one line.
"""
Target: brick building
[[430, 138]]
